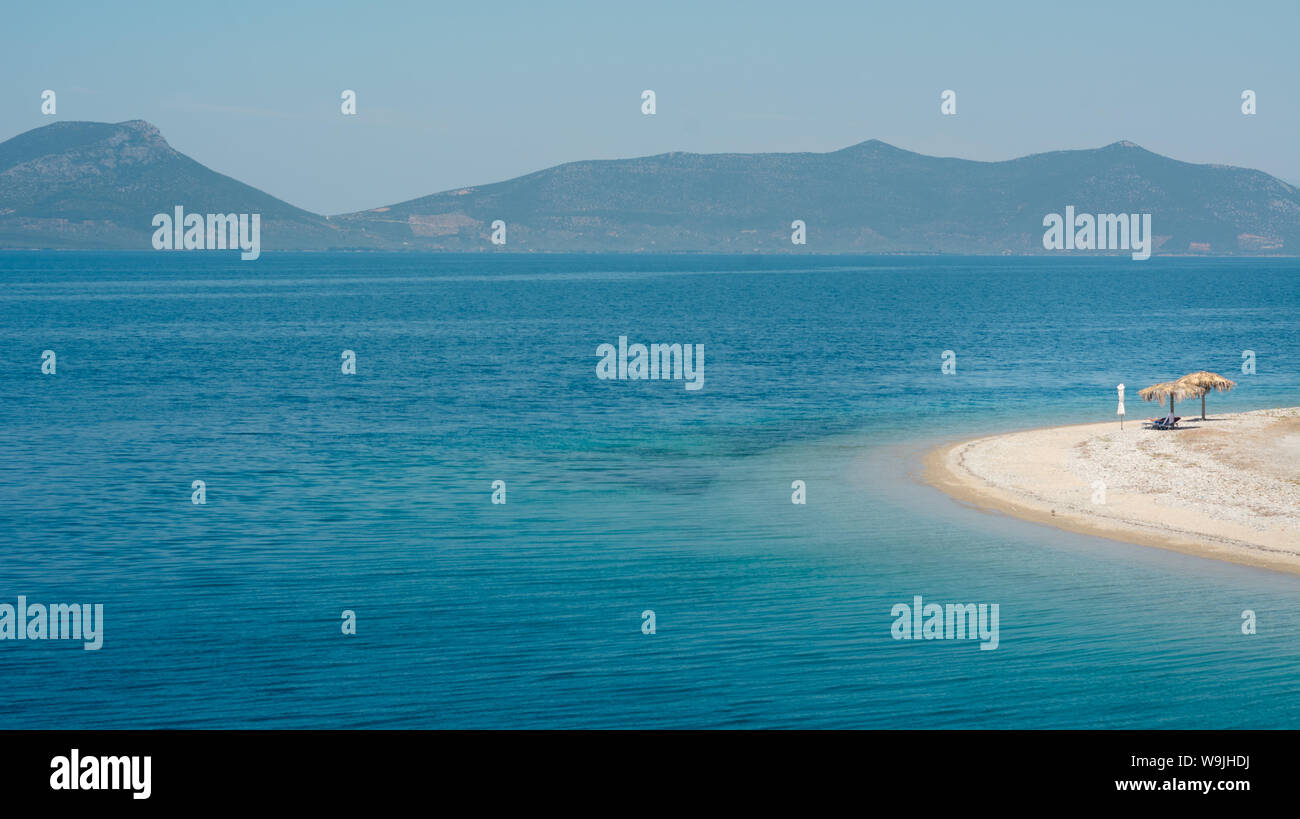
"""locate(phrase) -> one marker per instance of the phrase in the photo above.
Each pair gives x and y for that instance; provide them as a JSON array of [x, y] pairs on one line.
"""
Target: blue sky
[[468, 93]]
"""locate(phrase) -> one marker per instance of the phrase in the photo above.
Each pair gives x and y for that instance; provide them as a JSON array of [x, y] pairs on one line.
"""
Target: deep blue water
[[372, 492]]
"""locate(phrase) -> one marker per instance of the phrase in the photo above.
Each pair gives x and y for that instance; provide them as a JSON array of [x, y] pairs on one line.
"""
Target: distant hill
[[95, 185], [870, 197]]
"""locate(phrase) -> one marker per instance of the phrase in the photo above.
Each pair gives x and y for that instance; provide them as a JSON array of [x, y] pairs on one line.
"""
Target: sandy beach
[[1226, 488]]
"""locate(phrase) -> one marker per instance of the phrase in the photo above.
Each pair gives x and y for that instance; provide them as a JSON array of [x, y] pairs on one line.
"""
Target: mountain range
[[89, 185]]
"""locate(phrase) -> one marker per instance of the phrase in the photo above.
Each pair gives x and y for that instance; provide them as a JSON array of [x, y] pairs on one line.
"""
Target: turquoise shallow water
[[372, 492]]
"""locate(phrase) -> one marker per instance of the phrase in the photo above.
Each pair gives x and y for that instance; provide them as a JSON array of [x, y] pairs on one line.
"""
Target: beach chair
[[1162, 423]]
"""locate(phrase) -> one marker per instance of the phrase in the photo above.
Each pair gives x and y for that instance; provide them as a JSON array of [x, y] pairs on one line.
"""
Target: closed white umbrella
[[1120, 411]]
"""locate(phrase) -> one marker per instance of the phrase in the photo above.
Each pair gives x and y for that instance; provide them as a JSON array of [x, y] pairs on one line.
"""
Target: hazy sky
[[473, 92]]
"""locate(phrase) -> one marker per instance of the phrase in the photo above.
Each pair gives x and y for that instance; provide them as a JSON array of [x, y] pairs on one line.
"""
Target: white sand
[[1227, 488]]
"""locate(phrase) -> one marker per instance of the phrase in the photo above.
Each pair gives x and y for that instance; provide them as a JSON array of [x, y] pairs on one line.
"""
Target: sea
[[367, 497]]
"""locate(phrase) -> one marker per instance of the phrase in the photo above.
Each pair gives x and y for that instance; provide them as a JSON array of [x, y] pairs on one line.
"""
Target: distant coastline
[[920, 254], [98, 185]]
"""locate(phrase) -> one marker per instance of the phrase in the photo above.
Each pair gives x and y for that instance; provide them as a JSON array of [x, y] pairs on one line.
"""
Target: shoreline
[[1221, 488]]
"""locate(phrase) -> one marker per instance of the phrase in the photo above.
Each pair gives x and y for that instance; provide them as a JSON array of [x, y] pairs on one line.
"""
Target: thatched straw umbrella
[[1202, 382], [1172, 389]]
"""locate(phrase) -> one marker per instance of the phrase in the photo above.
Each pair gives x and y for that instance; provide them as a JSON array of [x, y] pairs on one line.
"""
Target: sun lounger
[[1165, 423]]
